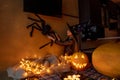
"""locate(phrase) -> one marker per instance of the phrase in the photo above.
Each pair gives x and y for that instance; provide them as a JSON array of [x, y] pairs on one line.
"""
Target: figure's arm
[[51, 38], [54, 36]]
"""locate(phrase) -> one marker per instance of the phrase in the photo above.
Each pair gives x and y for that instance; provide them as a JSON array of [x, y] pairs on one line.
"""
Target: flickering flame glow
[[76, 57], [37, 66], [79, 66], [72, 77], [33, 67], [76, 63], [83, 56], [25, 74]]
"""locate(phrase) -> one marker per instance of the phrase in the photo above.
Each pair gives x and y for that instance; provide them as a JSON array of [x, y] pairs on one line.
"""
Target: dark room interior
[[60, 40]]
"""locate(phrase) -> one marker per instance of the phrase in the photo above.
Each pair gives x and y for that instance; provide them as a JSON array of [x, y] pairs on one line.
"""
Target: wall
[[15, 42]]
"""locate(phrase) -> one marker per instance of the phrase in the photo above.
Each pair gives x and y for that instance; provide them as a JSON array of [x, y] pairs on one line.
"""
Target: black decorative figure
[[45, 29]]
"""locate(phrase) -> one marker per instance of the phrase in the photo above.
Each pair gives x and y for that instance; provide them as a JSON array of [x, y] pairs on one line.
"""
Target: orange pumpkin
[[79, 60], [106, 59]]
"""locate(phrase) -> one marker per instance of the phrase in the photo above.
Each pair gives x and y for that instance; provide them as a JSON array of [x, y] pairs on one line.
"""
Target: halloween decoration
[[79, 60], [106, 59], [43, 68], [72, 77], [87, 30], [69, 43], [45, 29], [51, 67]]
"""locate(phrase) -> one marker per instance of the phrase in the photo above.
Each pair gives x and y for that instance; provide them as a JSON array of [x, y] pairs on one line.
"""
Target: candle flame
[[72, 77]]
